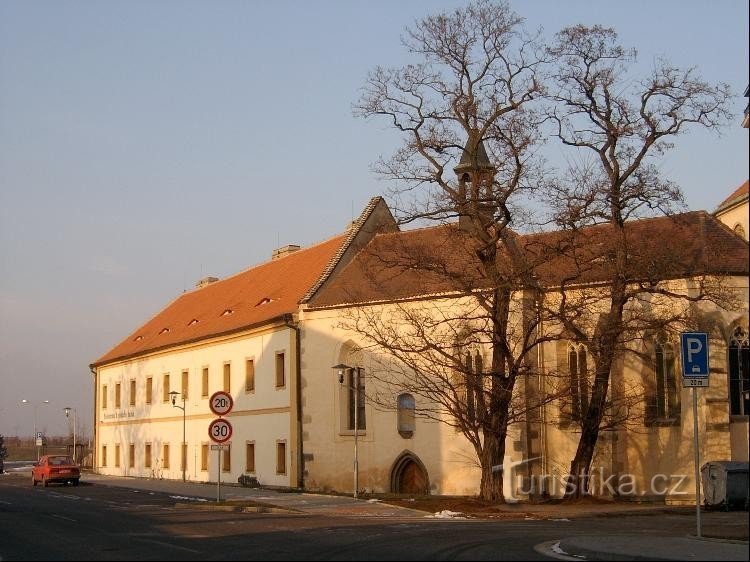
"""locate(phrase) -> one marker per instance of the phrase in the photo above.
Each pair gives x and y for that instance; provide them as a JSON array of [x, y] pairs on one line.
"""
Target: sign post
[[695, 372], [220, 430]]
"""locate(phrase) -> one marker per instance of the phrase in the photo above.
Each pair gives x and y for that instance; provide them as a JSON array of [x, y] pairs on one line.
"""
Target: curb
[[204, 506]]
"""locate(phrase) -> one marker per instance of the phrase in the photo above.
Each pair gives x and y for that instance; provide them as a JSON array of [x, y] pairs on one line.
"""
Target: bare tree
[[468, 153], [617, 129]]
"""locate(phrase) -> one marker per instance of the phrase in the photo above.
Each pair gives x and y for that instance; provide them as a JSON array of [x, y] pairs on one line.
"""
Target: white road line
[[63, 517], [170, 545], [6, 503]]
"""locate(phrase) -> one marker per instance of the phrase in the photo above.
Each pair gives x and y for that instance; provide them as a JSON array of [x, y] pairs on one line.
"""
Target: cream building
[[648, 454], [272, 335], [734, 211]]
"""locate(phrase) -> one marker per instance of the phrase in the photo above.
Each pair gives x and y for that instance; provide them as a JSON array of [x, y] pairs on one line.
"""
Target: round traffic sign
[[220, 430], [221, 403]]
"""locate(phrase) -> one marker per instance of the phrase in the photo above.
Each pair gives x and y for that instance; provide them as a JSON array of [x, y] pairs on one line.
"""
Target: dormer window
[[138, 338], [193, 321], [263, 301], [227, 312], [164, 331]]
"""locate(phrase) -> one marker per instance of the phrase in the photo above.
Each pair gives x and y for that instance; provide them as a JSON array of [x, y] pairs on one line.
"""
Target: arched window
[[739, 230], [739, 373], [579, 380], [406, 420], [469, 386], [667, 396]]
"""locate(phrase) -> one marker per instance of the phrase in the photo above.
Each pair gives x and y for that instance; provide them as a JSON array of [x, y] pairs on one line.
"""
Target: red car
[[55, 468]]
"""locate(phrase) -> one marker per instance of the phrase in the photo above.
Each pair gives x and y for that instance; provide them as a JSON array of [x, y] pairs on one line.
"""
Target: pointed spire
[[474, 158]]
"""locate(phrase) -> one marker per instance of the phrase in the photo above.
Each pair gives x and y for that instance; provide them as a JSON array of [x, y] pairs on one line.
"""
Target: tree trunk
[[491, 461]]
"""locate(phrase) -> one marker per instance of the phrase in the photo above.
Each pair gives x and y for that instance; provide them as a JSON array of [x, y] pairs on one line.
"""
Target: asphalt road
[[99, 522]]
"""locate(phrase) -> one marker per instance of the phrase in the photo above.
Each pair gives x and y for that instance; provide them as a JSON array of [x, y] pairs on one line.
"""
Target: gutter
[[94, 453], [290, 323]]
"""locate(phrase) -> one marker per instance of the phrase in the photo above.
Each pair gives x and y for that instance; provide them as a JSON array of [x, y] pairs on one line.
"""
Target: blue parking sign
[[694, 354]]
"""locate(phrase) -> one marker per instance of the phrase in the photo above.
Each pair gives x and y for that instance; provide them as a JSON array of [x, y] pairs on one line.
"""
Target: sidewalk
[[640, 547], [313, 504]]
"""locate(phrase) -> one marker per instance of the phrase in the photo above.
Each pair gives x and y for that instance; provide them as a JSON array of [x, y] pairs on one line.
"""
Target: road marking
[[170, 545], [63, 517], [6, 503]]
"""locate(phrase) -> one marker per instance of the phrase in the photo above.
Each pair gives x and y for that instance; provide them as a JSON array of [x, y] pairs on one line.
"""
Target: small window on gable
[[193, 321], [138, 338], [164, 331], [227, 312], [263, 301]]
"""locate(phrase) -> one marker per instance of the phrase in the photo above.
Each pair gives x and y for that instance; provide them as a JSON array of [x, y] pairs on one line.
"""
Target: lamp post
[[341, 369], [67, 410], [35, 405], [183, 460]]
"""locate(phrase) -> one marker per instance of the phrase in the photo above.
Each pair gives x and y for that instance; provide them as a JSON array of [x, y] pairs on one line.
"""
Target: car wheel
[[75, 482], [44, 482]]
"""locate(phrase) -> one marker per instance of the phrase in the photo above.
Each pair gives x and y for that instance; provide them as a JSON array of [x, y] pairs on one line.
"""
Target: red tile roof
[[735, 196], [442, 260], [258, 295]]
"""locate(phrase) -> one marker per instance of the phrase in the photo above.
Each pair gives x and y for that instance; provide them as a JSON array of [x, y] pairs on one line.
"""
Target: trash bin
[[725, 484]]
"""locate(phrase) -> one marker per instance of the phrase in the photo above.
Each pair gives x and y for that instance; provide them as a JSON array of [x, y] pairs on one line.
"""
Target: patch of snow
[[373, 500], [557, 550], [447, 514], [561, 519], [188, 498]]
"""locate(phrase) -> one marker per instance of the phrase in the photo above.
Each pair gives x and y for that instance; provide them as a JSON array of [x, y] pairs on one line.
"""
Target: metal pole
[[356, 430], [183, 461], [75, 419], [697, 462], [35, 438], [218, 478]]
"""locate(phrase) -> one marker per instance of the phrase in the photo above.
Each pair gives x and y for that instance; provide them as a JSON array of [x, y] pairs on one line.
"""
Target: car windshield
[[59, 461]]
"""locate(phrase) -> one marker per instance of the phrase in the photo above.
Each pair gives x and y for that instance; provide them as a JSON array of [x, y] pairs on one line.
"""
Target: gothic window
[[469, 386], [663, 399], [354, 396], [579, 380], [406, 407], [739, 373]]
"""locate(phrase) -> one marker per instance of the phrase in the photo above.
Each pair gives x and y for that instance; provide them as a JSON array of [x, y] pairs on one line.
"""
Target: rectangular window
[[667, 399], [281, 457], [166, 389], [280, 376], [147, 456], [183, 457], [355, 375], [204, 456], [149, 389], [117, 456], [165, 455], [104, 455], [185, 384], [249, 457], [104, 397], [131, 455], [226, 461], [249, 375], [131, 395], [204, 382], [227, 377], [117, 395]]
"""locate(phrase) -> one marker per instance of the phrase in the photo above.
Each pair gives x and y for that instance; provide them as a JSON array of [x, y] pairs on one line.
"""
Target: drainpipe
[[290, 323]]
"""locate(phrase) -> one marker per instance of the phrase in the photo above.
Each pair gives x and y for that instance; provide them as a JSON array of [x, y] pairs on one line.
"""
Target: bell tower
[[475, 176]]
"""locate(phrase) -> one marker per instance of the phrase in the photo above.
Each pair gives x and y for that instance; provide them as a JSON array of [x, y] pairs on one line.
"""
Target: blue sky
[[144, 144]]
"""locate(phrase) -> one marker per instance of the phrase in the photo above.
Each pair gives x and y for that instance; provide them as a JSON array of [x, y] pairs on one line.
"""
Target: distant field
[[29, 453]]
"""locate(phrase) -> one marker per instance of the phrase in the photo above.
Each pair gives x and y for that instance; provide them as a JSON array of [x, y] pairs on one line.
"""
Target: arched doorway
[[409, 476]]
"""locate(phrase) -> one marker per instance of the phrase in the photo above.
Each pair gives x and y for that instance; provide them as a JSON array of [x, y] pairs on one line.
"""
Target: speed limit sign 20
[[221, 403], [220, 430]]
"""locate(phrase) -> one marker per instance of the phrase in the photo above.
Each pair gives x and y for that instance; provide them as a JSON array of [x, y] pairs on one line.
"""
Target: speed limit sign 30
[[220, 430]]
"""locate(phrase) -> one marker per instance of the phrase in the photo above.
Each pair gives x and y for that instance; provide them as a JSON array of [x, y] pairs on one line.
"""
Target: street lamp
[[30, 403], [183, 459], [67, 410], [341, 369]]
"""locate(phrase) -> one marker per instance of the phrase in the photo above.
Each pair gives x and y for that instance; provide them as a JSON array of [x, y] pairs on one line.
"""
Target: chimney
[[206, 281], [284, 251]]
